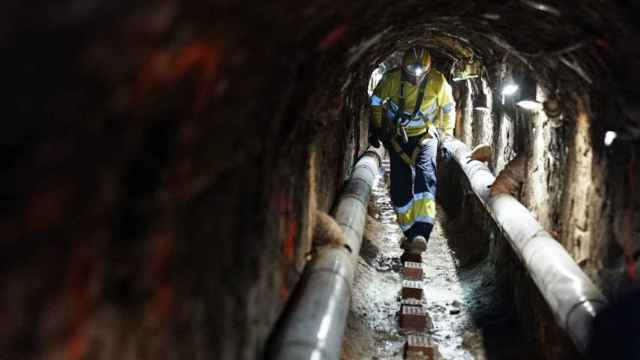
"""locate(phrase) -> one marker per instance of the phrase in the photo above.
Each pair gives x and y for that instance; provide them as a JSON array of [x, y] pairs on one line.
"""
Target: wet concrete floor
[[452, 294]]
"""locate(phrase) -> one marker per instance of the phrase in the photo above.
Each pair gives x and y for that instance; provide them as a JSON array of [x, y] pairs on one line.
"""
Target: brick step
[[412, 289], [419, 347], [412, 271], [413, 318]]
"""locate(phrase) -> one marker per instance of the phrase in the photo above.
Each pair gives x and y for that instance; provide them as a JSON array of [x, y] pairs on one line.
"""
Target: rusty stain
[[288, 225], [206, 57], [164, 68], [290, 243], [162, 243], [333, 37], [82, 269], [160, 307], [284, 293], [291, 225]]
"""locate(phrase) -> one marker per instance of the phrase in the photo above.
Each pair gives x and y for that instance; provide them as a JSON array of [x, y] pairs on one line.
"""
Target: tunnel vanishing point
[[167, 162]]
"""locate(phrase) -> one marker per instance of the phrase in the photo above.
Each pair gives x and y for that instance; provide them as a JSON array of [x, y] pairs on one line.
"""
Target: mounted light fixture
[[530, 105], [528, 98], [609, 137], [509, 89], [469, 69]]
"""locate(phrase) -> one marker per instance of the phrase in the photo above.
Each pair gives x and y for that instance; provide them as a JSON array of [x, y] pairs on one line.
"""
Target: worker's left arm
[[447, 114]]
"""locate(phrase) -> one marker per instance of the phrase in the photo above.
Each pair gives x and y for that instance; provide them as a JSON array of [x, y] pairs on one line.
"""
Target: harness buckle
[[403, 134]]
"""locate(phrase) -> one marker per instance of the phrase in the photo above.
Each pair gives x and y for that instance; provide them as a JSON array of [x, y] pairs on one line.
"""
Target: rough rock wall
[[517, 305], [569, 185], [157, 181]]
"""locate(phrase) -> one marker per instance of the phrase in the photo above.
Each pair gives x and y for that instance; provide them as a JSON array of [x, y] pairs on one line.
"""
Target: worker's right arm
[[376, 105]]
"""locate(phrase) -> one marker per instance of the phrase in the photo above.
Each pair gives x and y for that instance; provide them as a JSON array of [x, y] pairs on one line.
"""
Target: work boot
[[416, 245]]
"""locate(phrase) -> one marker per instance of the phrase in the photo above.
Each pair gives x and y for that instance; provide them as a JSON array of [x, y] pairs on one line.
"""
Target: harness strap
[[401, 103], [411, 161]]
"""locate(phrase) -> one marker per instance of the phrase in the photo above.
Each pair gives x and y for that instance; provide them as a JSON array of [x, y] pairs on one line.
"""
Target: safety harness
[[401, 121]]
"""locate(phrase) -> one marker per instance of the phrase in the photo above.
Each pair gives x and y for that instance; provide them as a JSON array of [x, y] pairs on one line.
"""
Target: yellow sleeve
[[376, 103], [446, 121]]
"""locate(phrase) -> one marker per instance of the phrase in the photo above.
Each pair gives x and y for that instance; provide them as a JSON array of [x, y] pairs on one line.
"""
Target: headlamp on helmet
[[416, 63]]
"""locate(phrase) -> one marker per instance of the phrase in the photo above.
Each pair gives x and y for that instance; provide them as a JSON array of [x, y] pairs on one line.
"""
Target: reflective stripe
[[448, 108], [421, 208], [405, 208], [416, 124], [417, 196], [424, 195], [408, 207], [423, 219], [431, 110], [376, 101]]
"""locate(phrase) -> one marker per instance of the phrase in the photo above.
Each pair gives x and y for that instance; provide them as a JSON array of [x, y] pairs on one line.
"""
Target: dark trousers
[[413, 187]]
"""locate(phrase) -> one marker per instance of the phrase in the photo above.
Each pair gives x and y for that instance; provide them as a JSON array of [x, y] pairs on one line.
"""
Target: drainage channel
[[453, 296]]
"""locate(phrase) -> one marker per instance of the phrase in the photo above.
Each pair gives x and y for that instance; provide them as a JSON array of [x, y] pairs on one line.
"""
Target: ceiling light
[[609, 137]]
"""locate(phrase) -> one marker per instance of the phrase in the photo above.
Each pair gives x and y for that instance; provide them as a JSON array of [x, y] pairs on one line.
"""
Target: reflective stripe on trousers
[[413, 189]]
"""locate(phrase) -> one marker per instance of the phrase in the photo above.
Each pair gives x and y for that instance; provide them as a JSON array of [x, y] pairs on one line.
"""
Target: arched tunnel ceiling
[[274, 64], [566, 45], [271, 63]]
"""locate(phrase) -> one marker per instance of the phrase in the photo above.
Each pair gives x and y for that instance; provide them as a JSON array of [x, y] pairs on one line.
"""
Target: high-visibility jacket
[[437, 108]]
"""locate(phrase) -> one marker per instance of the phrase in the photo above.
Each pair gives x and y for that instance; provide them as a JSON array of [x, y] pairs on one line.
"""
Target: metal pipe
[[351, 212], [571, 295], [314, 322]]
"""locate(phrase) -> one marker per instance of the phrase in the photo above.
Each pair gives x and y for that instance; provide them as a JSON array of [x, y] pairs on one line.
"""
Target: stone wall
[[568, 184]]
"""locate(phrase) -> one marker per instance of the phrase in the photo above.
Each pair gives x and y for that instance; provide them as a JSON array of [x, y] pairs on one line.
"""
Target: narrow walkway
[[372, 329]]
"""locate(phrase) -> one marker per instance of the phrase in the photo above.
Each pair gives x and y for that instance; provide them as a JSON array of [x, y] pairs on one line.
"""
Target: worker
[[412, 110]]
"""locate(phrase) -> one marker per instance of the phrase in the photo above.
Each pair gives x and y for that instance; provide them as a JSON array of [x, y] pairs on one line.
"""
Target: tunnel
[[168, 164]]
